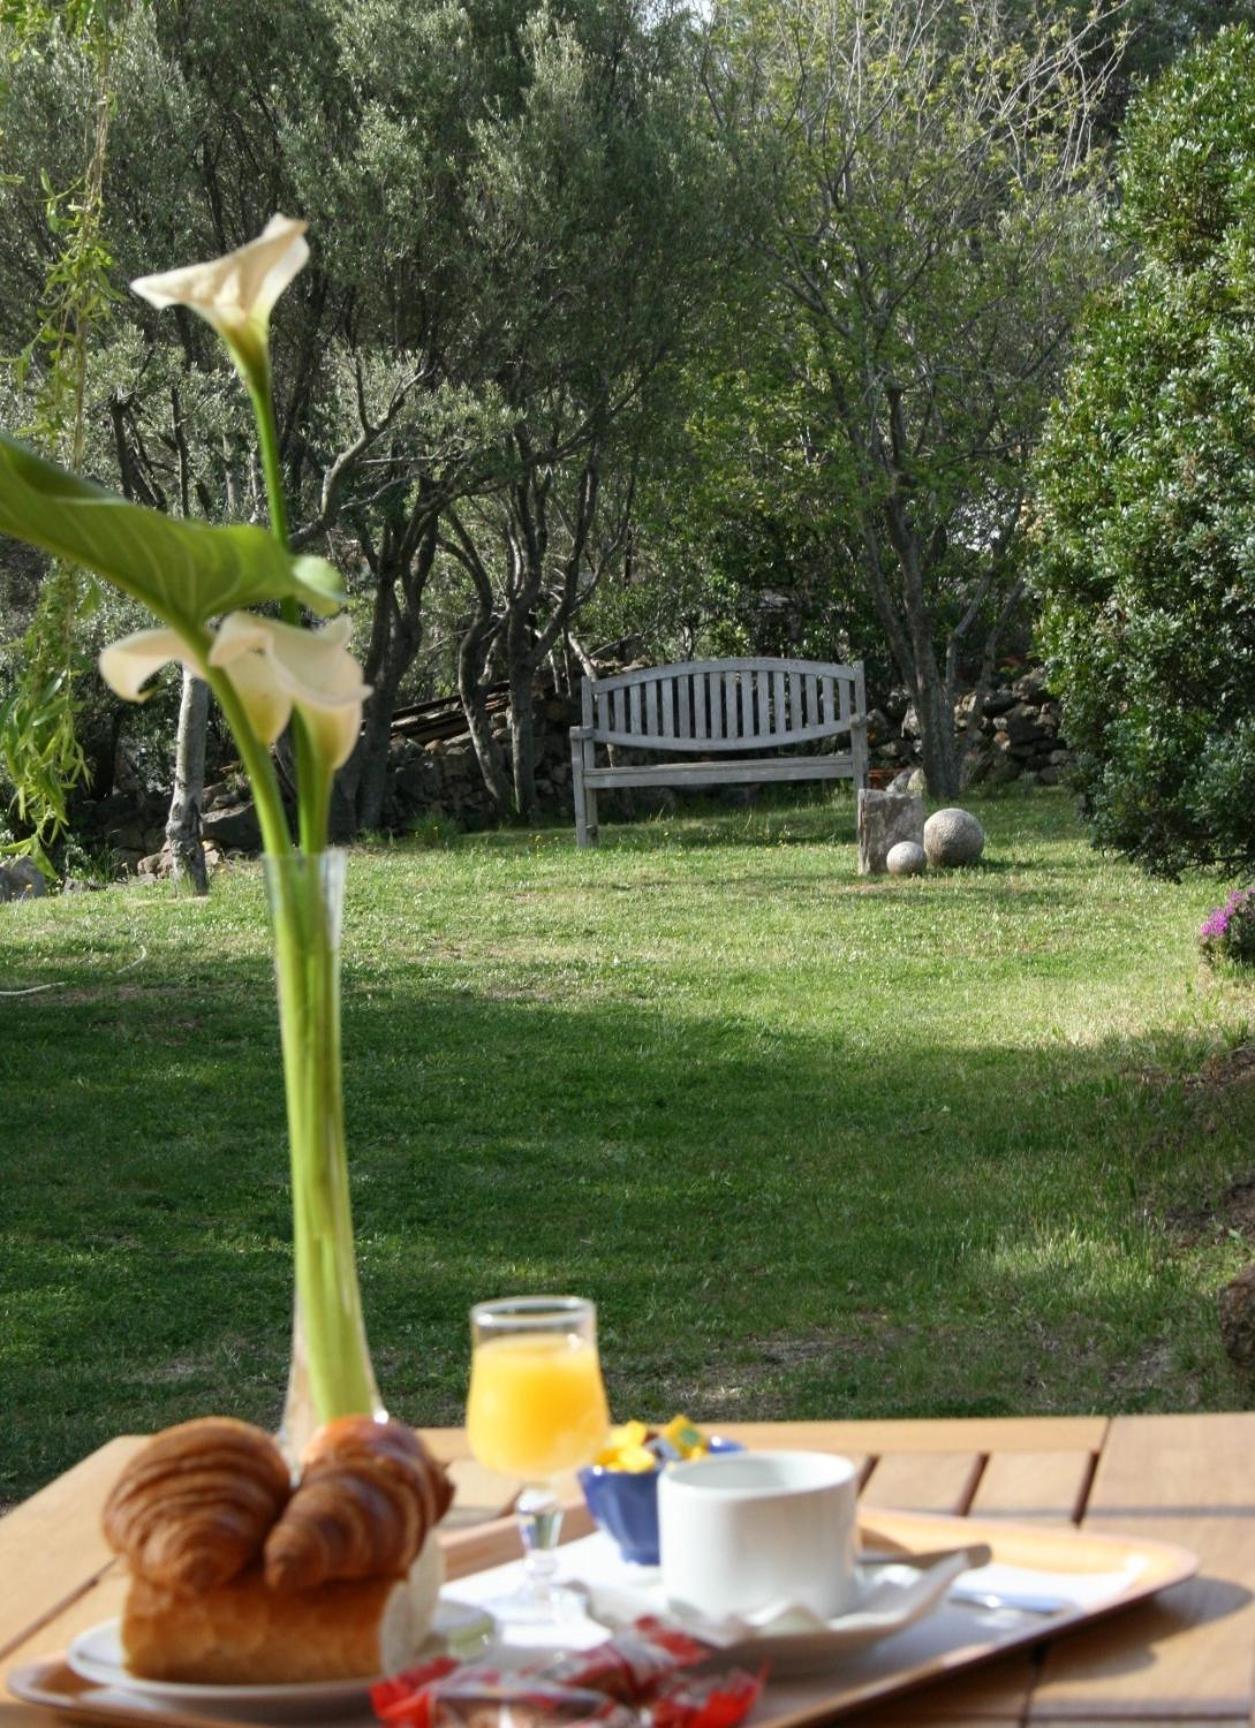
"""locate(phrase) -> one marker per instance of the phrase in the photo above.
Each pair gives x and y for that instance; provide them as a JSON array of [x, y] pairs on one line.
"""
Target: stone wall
[[440, 781], [1019, 734]]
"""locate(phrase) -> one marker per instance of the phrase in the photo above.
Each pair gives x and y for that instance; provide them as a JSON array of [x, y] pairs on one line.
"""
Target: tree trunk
[[935, 714], [187, 855], [984, 679], [475, 650], [475, 707], [523, 741], [936, 730], [400, 564], [372, 747]]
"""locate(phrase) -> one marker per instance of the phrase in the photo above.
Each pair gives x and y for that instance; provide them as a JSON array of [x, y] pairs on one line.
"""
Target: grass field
[[818, 1146]]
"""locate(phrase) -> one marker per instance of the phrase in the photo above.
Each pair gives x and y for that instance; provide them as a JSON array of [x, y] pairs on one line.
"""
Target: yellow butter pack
[[636, 1448]]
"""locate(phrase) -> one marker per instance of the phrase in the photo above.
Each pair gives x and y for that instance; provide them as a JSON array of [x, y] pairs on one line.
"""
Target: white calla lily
[[237, 292], [128, 664], [272, 667], [273, 664]]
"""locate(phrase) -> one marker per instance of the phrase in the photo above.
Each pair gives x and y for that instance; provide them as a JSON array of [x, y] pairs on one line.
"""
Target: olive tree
[[928, 202]]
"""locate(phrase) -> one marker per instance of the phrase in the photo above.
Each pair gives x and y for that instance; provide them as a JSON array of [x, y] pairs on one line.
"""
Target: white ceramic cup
[[743, 1531]]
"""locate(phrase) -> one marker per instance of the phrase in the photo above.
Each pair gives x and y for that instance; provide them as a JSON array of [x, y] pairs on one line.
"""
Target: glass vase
[[330, 1373]]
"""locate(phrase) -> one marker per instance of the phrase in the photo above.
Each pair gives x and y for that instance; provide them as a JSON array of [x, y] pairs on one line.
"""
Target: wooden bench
[[716, 710]]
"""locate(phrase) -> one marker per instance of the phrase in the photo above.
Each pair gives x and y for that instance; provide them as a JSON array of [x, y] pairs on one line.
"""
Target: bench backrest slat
[[722, 705]]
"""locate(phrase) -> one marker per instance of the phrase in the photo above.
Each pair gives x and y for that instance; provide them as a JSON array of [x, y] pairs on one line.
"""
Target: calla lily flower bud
[[236, 293]]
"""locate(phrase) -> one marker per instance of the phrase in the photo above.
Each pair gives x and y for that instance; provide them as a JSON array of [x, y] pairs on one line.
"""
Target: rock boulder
[[884, 819], [22, 880], [906, 859], [953, 837], [1237, 1319]]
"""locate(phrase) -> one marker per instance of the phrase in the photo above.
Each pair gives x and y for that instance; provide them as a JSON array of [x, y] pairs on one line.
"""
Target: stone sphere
[[905, 859], [953, 837]]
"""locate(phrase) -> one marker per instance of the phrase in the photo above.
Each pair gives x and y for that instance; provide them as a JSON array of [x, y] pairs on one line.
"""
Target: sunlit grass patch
[[818, 1146]]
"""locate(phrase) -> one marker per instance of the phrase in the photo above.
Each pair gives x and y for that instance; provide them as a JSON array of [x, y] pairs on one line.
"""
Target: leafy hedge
[[1147, 488]]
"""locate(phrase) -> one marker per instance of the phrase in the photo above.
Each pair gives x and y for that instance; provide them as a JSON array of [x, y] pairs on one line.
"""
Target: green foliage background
[[1147, 488]]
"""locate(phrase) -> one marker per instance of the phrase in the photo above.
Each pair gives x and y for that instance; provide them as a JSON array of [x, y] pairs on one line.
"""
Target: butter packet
[[636, 1448]]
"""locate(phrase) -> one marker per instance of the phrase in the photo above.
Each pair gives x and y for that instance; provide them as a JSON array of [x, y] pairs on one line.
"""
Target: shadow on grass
[[774, 1220]]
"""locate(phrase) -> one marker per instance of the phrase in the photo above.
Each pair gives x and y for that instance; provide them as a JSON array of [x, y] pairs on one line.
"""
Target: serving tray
[[1087, 1574]]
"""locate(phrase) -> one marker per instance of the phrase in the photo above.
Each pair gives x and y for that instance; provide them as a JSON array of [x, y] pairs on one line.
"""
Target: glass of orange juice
[[536, 1410]]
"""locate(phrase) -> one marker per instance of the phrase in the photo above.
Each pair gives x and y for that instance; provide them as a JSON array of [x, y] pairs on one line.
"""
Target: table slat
[[1183, 1479], [478, 1494], [99, 1601], [51, 1546], [966, 1434], [1050, 1487], [998, 1694], [924, 1481]]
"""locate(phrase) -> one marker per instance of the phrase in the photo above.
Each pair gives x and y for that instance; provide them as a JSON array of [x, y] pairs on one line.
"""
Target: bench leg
[[577, 789], [585, 798]]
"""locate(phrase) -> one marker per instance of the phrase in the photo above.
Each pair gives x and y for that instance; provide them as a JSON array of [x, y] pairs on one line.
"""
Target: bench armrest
[[580, 733]]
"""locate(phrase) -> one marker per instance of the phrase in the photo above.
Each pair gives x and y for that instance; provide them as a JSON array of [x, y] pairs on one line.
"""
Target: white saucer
[[889, 1597], [96, 1655]]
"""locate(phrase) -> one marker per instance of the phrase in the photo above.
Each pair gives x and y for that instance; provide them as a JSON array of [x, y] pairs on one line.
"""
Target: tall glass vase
[[331, 1373]]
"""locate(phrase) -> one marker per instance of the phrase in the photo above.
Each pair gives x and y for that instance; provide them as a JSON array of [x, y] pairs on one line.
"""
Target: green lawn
[[818, 1146]]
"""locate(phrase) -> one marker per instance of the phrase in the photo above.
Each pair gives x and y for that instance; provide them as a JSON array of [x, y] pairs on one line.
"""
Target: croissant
[[370, 1492], [193, 1509]]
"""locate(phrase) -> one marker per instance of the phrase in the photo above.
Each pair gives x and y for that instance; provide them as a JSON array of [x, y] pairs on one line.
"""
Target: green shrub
[[1146, 524]]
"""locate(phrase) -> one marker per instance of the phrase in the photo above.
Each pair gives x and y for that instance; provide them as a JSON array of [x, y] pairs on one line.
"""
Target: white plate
[[97, 1656]]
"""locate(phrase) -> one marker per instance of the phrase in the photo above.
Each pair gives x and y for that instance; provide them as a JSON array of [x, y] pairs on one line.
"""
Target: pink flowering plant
[[1228, 931]]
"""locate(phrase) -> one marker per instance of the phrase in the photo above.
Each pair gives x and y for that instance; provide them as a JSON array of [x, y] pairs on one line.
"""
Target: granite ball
[[905, 859], [953, 837]]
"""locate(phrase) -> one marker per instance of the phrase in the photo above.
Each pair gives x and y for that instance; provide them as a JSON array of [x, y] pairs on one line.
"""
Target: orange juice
[[537, 1406]]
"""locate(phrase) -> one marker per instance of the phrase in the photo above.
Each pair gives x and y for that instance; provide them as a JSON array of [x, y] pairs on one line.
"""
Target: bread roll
[[245, 1633]]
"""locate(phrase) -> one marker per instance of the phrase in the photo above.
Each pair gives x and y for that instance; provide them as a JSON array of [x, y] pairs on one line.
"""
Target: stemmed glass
[[536, 1410]]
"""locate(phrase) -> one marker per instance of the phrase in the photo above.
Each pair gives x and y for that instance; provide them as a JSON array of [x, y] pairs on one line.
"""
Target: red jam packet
[[631, 1665], [479, 1697], [706, 1700], [633, 1680]]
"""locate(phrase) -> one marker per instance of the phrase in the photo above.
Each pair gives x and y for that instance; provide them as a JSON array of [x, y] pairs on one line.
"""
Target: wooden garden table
[[1188, 1658]]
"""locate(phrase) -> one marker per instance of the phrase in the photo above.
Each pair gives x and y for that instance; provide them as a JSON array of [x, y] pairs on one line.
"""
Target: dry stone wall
[[1019, 739]]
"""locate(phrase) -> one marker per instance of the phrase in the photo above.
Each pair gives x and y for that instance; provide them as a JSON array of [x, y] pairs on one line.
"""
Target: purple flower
[[1229, 930]]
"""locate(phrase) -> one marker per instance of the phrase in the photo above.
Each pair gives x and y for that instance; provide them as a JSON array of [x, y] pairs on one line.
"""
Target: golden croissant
[[194, 1508], [369, 1494], [236, 1579]]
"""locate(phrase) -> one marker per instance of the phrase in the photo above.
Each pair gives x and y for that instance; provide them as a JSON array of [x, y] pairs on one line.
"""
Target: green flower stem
[[306, 935], [267, 796], [258, 379], [305, 899], [305, 896], [313, 784]]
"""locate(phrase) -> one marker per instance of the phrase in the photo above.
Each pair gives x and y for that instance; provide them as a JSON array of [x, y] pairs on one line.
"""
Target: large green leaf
[[185, 571]]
